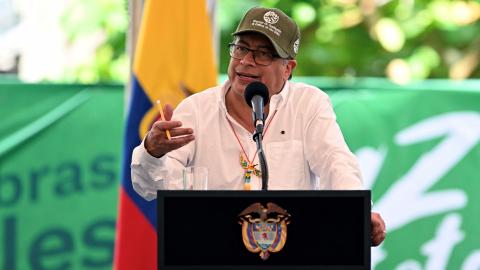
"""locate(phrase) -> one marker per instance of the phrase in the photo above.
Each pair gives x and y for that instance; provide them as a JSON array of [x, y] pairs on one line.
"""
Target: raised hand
[[157, 143]]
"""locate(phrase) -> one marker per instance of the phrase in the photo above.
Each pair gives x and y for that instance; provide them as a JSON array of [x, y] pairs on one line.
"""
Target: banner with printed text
[[59, 168], [419, 151], [60, 155]]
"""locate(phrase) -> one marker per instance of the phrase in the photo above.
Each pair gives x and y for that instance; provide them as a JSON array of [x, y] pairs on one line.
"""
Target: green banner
[[419, 152], [60, 155], [60, 149]]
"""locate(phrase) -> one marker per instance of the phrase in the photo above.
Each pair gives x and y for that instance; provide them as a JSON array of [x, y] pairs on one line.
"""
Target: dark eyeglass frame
[[232, 47]]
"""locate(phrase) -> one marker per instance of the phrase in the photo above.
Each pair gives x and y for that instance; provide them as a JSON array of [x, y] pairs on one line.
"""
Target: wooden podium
[[202, 230]]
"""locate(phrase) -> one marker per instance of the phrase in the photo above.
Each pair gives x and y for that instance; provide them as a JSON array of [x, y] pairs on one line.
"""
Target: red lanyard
[[248, 166]]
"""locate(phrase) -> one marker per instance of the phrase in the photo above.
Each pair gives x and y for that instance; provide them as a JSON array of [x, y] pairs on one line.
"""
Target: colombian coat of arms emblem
[[264, 229]]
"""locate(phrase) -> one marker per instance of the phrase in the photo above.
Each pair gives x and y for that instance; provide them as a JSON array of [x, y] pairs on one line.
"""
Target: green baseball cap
[[280, 29]]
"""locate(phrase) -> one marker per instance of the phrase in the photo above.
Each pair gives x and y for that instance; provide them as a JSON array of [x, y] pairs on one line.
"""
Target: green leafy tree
[[404, 40], [105, 21]]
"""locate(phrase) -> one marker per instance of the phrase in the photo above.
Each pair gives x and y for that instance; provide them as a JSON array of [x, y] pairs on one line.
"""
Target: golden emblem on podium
[[264, 229]]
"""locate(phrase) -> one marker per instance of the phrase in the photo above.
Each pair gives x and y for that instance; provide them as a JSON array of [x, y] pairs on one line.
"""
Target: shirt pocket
[[286, 163]]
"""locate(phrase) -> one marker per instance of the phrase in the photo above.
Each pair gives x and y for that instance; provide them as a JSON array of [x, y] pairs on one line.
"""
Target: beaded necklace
[[248, 167]]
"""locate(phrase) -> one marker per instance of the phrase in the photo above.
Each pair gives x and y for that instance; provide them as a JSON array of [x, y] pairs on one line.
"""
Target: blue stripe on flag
[[138, 107]]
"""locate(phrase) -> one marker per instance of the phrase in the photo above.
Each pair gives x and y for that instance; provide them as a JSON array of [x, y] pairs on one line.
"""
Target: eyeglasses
[[262, 58]]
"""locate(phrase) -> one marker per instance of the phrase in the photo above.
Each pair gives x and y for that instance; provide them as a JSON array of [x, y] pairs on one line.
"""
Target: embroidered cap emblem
[[264, 230], [270, 17], [295, 45]]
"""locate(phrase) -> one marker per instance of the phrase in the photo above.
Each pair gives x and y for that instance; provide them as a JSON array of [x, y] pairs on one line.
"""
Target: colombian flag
[[173, 58]]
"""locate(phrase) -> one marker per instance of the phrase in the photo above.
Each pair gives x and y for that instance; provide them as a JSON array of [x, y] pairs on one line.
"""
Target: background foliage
[[404, 40], [105, 18]]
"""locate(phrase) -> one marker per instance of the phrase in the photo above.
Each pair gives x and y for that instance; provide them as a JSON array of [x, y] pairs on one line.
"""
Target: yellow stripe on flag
[[174, 50]]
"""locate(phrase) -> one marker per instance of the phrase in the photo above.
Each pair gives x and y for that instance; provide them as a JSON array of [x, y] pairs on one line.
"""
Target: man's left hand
[[378, 229]]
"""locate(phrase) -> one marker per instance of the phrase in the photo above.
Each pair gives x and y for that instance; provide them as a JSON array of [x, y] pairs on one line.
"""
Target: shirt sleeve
[[150, 174], [327, 153]]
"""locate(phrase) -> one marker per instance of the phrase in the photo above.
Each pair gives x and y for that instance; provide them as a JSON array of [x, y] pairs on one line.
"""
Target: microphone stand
[[257, 137]]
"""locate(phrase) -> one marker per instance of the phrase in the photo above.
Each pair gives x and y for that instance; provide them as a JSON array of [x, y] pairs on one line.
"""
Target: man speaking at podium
[[302, 141]]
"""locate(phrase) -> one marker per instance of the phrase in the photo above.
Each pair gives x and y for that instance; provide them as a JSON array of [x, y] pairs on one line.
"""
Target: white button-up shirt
[[304, 146]]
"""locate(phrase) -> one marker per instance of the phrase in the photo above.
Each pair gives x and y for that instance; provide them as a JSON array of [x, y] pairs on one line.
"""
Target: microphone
[[256, 96]]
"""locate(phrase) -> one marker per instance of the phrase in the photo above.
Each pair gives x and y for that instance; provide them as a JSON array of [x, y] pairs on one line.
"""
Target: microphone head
[[254, 89]]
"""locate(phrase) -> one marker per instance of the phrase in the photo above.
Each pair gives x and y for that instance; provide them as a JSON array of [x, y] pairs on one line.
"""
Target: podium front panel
[[202, 230]]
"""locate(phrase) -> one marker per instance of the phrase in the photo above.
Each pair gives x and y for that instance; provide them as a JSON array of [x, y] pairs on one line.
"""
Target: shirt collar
[[277, 101], [222, 93]]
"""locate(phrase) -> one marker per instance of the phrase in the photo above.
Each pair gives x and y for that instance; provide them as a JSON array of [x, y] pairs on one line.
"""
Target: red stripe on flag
[[136, 239]]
